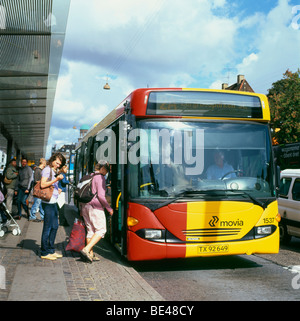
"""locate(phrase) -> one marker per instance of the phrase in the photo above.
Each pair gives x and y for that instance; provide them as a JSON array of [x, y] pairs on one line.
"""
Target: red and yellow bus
[[192, 173]]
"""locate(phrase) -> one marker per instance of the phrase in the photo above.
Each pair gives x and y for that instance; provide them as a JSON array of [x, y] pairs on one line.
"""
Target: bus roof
[[188, 103]]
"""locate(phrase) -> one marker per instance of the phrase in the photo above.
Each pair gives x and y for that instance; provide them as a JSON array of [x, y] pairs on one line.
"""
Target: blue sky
[[164, 43]]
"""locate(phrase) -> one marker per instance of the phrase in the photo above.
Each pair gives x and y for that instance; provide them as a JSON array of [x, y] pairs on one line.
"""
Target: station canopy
[[32, 34]]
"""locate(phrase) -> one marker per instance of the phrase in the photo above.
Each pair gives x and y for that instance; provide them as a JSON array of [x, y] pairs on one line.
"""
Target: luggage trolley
[[10, 224]]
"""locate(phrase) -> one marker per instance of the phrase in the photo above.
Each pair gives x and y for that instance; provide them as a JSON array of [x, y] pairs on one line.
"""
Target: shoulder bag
[[44, 194], [6, 180]]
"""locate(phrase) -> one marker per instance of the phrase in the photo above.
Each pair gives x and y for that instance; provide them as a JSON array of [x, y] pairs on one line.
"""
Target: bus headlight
[[153, 234], [264, 230]]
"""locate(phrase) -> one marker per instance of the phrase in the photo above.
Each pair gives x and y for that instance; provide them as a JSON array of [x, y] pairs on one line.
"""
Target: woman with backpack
[[93, 212]]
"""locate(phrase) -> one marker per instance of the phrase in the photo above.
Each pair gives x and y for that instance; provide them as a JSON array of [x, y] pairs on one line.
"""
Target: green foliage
[[284, 100]]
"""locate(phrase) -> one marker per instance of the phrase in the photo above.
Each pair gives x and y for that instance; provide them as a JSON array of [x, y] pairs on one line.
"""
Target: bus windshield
[[201, 158]]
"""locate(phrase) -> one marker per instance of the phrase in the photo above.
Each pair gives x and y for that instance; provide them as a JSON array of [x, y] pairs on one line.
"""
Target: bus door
[[123, 208], [119, 196], [90, 155]]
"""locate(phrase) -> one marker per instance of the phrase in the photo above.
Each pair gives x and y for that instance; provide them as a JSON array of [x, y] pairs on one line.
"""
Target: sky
[[167, 43]]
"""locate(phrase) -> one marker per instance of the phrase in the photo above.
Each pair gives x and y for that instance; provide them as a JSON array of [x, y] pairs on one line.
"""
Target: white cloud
[[216, 85], [252, 21], [78, 102], [277, 49], [266, 46], [164, 43], [140, 44], [140, 40], [64, 86], [247, 61], [219, 3]]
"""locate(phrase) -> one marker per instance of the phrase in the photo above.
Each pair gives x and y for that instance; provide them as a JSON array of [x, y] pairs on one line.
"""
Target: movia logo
[[213, 221]]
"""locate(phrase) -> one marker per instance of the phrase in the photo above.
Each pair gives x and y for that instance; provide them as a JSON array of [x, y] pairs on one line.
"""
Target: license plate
[[221, 248]]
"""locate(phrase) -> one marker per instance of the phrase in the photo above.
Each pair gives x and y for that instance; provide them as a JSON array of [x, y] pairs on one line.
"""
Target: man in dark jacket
[[23, 187], [12, 175]]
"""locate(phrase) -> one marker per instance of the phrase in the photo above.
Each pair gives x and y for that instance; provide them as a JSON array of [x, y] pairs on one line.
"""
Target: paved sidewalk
[[29, 278]]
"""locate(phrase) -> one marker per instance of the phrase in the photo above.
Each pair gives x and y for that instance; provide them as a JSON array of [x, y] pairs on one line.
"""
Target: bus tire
[[285, 238]]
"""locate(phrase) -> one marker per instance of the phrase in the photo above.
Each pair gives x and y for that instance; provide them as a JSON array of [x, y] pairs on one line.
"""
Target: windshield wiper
[[177, 197], [253, 199], [190, 193], [217, 192]]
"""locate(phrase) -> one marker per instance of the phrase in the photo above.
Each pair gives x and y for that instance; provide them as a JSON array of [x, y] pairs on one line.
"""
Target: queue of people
[[19, 183]]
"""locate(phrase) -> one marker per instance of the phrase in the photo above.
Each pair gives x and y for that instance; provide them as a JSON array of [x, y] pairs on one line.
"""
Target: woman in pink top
[[93, 212]]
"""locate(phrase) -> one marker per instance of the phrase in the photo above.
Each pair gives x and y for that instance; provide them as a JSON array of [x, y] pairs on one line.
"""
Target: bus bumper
[[140, 249]]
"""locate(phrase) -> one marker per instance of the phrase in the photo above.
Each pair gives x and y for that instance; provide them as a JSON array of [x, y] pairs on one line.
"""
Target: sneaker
[[95, 258], [58, 256], [86, 255], [49, 257]]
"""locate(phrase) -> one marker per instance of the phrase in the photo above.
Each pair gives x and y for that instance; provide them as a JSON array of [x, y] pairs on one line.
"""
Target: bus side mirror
[[129, 117]]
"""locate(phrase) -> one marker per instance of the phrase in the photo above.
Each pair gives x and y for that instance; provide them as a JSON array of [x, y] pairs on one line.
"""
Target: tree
[[284, 100]]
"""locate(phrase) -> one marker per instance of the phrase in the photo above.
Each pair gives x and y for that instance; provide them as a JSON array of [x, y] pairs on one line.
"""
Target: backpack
[[83, 192]]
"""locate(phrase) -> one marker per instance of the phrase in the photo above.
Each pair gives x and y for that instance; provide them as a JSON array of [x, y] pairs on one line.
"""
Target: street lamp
[[106, 86]]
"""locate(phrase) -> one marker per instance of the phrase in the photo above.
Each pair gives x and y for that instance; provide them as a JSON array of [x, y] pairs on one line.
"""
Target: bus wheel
[[285, 238]]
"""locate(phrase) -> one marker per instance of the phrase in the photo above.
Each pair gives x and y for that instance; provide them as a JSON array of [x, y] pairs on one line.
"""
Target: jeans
[[49, 229], [9, 199], [22, 197], [37, 205]]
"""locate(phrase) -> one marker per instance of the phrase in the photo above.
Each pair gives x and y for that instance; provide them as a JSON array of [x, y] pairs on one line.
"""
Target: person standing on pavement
[[37, 203], [11, 174], [93, 212], [50, 208], [62, 185], [23, 187]]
